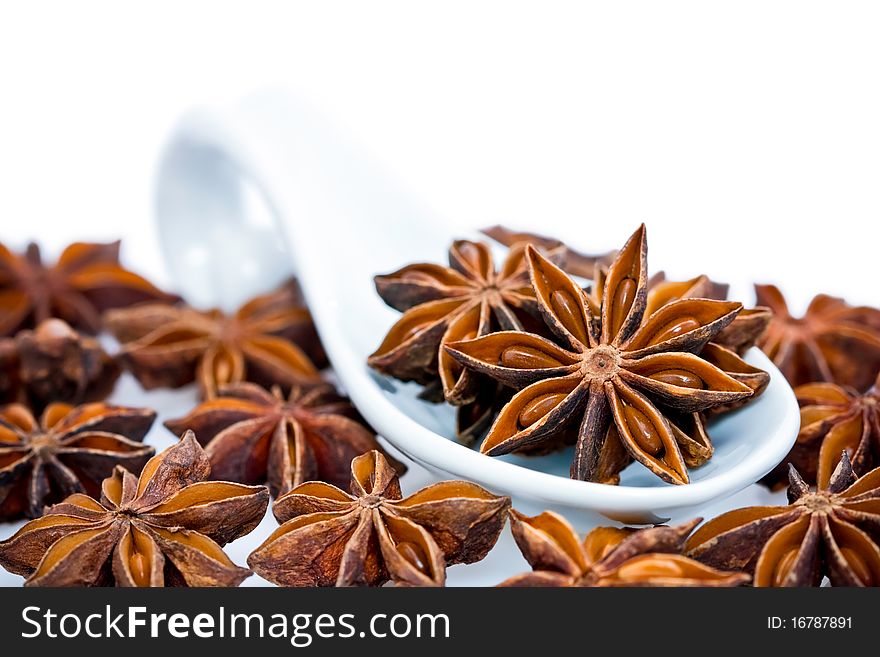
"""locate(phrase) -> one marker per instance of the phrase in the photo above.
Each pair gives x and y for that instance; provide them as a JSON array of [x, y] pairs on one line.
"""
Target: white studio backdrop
[[745, 134]]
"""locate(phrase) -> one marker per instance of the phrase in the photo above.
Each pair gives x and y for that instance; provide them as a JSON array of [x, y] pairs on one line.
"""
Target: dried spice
[[833, 419], [833, 342], [70, 450], [86, 281], [166, 528], [576, 263], [723, 351], [444, 304], [267, 341], [375, 535], [54, 363], [253, 436], [690, 429], [832, 532], [609, 556], [613, 377], [738, 336]]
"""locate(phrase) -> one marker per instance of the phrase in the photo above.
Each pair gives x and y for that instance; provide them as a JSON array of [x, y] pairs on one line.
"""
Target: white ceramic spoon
[[250, 192]]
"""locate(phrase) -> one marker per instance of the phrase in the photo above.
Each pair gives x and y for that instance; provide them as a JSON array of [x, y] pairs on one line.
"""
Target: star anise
[[166, 528], [70, 450], [86, 281], [375, 534], [265, 341], [833, 342], [724, 349], [576, 262], [54, 363], [609, 556], [833, 419], [446, 304], [832, 532], [738, 336], [253, 436], [690, 429], [613, 372]]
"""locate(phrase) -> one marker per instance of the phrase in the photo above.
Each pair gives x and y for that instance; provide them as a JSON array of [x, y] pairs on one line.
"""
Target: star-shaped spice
[[738, 336], [833, 419], [166, 528], [252, 435], [70, 450], [444, 304], [690, 429], [833, 342], [54, 363], [265, 341], [375, 534], [86, 281], [618, 372], [832, 532], [609, 556]]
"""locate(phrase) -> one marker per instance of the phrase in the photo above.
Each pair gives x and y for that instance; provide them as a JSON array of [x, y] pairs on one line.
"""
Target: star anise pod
[[614, 371], [166, 528], [833, 419], [738, 336], [265, 341], [576, 262], [251, 435], [443, 304], [54, 363], [373, 535], [832, 532], [70, 450], [86, 281], [609, 556], [833, 342], [735, 338], [446, 304], [723, 351]]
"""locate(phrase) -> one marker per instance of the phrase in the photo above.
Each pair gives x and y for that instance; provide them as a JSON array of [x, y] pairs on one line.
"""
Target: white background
[[746, 134]]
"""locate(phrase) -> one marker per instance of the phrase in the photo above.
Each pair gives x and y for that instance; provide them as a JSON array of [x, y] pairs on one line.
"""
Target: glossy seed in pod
[[522, 357], [681, 378], [622, 301], [414, 555], [538, 408], [139, 569], [642, 431], [674, 328], [640, 569], [223, 369], [568, 311]]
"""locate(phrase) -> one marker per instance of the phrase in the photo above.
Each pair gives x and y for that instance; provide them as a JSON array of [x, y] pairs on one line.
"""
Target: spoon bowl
[[252, 192]]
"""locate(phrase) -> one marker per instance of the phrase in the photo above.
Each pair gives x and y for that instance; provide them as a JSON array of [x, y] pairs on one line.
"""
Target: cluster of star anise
[[71, 462], [49, 314], [627, 370], [49, 361], [832, 356]]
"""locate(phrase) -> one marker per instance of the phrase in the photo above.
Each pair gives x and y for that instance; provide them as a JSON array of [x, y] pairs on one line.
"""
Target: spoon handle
[[251, 192]]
